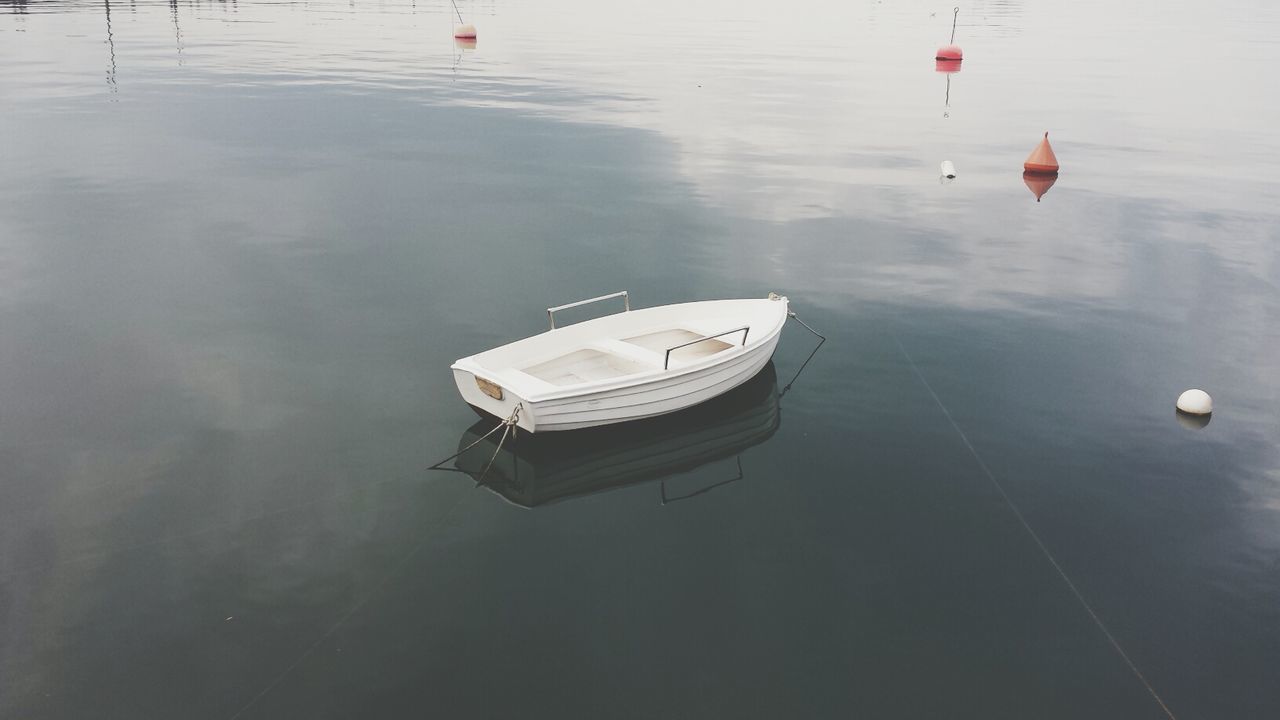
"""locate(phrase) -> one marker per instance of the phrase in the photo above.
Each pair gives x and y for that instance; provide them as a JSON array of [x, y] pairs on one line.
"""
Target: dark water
[[241, 242]]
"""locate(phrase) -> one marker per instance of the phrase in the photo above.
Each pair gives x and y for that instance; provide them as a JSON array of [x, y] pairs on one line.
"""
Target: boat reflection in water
[[539, 469]]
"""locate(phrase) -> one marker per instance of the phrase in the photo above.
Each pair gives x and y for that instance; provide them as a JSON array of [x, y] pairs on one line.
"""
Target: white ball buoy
[[1195, 402], [948, 170]]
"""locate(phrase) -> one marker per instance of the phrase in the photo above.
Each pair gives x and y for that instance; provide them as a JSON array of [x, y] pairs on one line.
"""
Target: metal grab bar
[[626, 305], [666, 361]]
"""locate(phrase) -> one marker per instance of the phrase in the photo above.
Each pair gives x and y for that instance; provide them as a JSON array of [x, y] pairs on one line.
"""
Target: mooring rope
[[821, 339], [795, 317], [1036, 537], [509, 423], [510, 430], [395, 570]]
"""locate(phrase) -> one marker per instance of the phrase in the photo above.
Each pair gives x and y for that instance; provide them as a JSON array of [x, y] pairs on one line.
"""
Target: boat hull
[[634, 402], [623, 398]]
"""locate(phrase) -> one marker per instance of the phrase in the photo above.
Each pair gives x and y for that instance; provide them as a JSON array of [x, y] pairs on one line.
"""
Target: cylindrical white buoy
[[948, 170], [1195, 402], [465, 32]]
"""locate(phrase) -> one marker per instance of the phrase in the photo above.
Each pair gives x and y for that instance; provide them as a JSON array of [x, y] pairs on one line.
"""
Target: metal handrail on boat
[[626, 305], [666, 361]]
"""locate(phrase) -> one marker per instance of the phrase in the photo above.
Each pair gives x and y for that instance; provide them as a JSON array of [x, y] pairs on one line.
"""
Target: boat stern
[[491, 396]]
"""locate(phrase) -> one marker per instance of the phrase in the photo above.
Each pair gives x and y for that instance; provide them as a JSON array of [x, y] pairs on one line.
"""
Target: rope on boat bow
[[821, 339], [791, 314], [511, 428]]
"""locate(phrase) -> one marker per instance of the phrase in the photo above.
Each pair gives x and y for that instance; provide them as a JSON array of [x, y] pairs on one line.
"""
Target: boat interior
[[606, 358]]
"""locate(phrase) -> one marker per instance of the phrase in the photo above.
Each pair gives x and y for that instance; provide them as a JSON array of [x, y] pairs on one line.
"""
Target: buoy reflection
[[1038, 183], [1192, 422], [947, 66], [460, 48]]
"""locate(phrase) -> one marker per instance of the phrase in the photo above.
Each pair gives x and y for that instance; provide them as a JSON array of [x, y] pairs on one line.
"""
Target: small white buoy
[[948, 170], [465, 32], [1195, 402]]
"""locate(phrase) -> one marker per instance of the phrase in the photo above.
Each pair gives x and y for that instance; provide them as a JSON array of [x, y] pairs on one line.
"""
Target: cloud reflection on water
[[226, 294]]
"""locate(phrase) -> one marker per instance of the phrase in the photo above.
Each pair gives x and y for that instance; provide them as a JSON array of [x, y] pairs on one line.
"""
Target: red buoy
[[1042, 161], [950, 52]]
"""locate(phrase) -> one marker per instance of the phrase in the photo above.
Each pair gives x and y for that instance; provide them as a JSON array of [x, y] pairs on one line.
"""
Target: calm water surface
[[240, 243]]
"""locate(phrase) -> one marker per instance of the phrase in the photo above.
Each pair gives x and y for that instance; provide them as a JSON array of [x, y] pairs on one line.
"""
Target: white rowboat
[[626, 366]]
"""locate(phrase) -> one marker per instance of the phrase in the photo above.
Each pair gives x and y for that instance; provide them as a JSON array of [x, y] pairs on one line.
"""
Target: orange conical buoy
[[1039, 183], [1042, 161]]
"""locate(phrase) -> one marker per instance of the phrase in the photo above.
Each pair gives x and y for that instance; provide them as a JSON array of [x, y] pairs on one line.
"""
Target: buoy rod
[[455, 9], [954, 18]]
